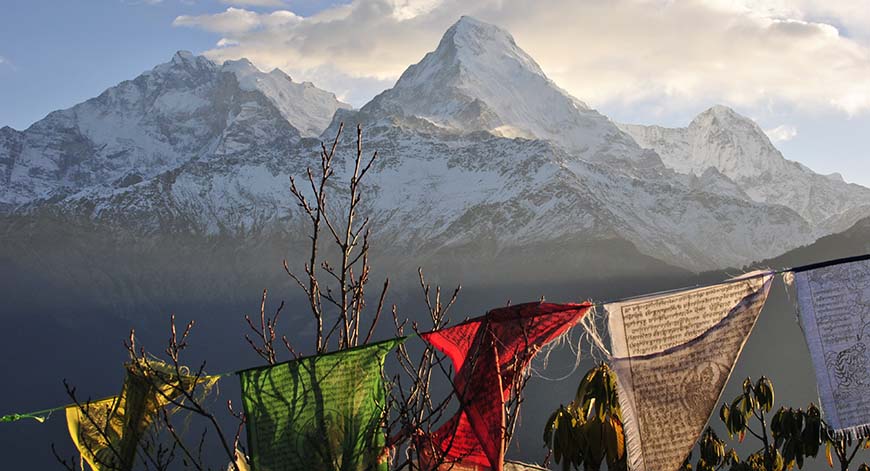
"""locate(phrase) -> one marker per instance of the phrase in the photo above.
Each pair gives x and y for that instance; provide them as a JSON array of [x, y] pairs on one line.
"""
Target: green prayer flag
[[323, 412]]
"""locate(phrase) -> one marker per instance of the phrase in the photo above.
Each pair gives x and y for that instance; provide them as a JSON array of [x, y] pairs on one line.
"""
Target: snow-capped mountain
[[192, 147], [306, 107], [478, 79], [184, 110], [720, 139], [437, 192]]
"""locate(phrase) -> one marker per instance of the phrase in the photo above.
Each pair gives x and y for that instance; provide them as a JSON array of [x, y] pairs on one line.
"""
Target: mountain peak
[[185, 62], [478, 79], [718, 137], [836, 176], [276, 72], [473, 44], [308, 108], [721, 110], [721, 114], [736, 146], [722, 121], [182, 57], [472, 25], [246, 72], [472, 32]]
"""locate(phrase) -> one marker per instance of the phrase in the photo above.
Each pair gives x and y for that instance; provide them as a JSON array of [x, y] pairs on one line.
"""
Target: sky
[[800, 68]]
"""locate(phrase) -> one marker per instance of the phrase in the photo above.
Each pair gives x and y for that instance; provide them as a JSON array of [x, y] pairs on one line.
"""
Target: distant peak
[[185, 62], [182, 57], [721, 115], [466, 21], [240, 65], [722, 111], [242, 61], [477, 45], [470, 30], [836, 176], [280, 73]]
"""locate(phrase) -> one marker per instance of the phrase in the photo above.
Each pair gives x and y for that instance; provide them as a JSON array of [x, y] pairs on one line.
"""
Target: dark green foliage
[[588, 431], [787, 439]]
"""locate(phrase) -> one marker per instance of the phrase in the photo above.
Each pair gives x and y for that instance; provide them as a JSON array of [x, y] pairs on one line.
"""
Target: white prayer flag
[[672, 355], [834, 306]]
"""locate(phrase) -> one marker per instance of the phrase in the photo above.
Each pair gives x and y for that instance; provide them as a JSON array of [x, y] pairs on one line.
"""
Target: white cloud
[[256, 3], [853, 16], [238, 21], [782, 133], [226, 42], [621, 52], [7, 64]]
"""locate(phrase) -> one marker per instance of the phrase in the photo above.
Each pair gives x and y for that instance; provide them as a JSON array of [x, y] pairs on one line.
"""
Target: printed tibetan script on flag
[[487, 353], [673, 354], [318, 413], [834, 305]]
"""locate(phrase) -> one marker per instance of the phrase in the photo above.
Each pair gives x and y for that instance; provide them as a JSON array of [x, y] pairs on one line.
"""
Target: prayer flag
[[834, 306], [107, 432], [488, 353], [672, 355], [319, 413]]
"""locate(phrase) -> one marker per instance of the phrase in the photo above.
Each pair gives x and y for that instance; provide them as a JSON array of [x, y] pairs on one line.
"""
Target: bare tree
[[336, 299], [416, 411]]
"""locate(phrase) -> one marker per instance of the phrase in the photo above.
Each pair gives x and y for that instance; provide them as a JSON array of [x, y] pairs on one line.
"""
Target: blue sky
[[800, 67], [57, 53]]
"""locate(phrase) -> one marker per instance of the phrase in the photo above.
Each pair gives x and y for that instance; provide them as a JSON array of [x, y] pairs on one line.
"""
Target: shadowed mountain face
[[851, 242], [169, 193]]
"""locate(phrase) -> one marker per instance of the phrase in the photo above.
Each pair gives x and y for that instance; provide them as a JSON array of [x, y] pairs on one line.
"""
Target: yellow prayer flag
[[107, 432]]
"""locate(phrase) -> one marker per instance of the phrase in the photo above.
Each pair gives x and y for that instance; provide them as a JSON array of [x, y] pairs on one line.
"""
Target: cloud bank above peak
[[798, 53]]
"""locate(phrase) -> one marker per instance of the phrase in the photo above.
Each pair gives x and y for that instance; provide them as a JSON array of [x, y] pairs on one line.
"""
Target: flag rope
[[811, 266]]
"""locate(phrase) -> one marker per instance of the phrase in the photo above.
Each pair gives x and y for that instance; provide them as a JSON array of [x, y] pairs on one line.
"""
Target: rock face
[[480, 154], [722, 140]]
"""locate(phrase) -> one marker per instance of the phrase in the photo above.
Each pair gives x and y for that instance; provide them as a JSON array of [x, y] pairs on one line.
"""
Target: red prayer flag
[[487, 352]]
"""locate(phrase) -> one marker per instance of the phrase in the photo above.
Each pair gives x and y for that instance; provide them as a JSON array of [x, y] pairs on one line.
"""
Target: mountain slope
[[851, 242], [306, 107], [187, 109], [433, 192], [736, 146]]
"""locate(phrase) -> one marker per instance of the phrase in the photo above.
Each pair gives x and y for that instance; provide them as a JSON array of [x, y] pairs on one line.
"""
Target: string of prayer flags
[[107, 432], [488, 354], [672, 355], [834, 306], [319, 413]]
